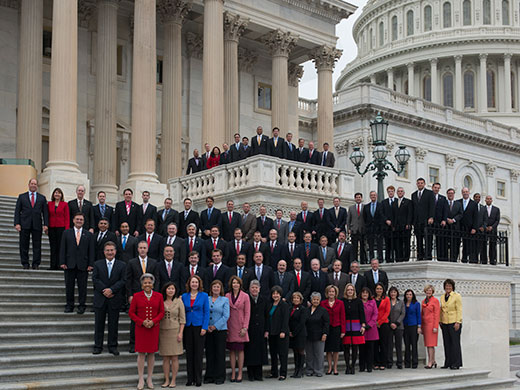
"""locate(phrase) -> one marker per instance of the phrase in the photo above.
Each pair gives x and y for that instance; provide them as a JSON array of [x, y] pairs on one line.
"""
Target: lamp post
[[380, 164]]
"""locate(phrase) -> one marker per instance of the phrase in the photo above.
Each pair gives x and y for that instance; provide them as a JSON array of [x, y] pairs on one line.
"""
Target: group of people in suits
[[275, 146]]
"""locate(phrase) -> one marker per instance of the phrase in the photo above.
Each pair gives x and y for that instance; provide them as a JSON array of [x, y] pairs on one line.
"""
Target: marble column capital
[[234, 26], [86, 13], [483, 57], [325, 57], [194, 45], [508, 56], [433, 61], [246, 59], [295, 73], [280, 42], [173, 11]]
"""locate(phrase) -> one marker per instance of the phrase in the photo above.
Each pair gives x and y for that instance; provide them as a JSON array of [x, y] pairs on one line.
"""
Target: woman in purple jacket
[[366, 353]]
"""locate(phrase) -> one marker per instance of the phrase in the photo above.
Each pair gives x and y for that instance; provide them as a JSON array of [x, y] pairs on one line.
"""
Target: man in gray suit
[[493, 219], [453, 224], [248, 222], [338, 278], [356, 228], [280, 226], [327, 255], [481, 231]]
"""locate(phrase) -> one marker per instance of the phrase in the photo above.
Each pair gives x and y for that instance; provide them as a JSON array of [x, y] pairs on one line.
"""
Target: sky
[[309, 82]]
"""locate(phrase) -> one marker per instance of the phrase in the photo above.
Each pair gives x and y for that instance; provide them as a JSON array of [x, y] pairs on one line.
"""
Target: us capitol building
[[117, 93]]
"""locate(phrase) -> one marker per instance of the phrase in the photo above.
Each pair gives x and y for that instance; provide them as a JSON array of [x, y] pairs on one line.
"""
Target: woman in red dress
[[59, 220], [214, 158], [430, 318], [146, 310]]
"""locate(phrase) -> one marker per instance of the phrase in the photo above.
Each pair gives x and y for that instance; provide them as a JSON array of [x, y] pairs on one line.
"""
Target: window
[[513, 101], [505, 12], [469, 89], [159, 71], [381, 34], [394, 28], [466, 13], [468, 182], [428, 18], [405, 87], [370, 39], [427, 88], [447, 86], [120, 60], [491, 89], [501, 189], [47, 43], [409, 23], [404, 173], [446, 15], [264, 96], [433, 174], [486, 11]]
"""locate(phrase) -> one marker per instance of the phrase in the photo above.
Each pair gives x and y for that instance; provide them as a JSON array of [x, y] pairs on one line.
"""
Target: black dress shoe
[[189, 383], [36, 267], [369, 370], [272, 376], [81, 310], [400, 366], [132, 350], [445, 367], [212, 380], [114, 352], [26, 267], [69, 310], [198, 384], [219, 382], [454, 368], [96, 351], [414, 366], [407, 366]]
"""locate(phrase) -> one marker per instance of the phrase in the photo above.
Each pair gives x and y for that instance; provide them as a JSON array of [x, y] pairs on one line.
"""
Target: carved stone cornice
[[295, 73], [490, 169], [514, 175], [341, 147], [173, 11], [280, 43], [357, 142], [234, 26], [450, 159], [325, 57], [464, 287], [420, 153], [194, 45], [324, 9], [246, 59], [86, 13]]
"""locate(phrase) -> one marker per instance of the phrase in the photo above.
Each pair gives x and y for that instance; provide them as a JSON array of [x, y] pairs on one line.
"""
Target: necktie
[[109, 267], [100, 236], [272, 246], [419, 195], [240, 272], [373, 209], [310, 153], [78, 236], [143, 266], [275, 142], [278, 224], [340, 249], [263, 220], [315, 274], [258, 272], [489, 211], [290, 146], [186, 215], [214, 244], [337, 212], [148, 239], [127, 204], [80, 204], [169, 269], [324, 158], [337, 276], [298, 278], [124, 242], [229, 215], [354, 279], [192, 270], [103, 210], [191, 244], [451, 204], [292, 249], [169, 240], [304, 216], [321, 213], [465, 204], [259, 139], [281, 278], [244, 217], [399, 202], [307, 250], [215, 269], [164, 214], [209, 213], [376, 277], [32, 199], [145, 205], [257, 244], [358, 210], [238, 247], [324, 253]]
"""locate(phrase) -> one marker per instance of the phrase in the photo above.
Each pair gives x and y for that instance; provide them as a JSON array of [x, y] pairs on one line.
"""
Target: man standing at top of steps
[[30, 208]]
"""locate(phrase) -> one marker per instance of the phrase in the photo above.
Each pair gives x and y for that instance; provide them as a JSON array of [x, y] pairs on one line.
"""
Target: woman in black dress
[[278, 332], [355, 327], [255, 351], [298, 333]]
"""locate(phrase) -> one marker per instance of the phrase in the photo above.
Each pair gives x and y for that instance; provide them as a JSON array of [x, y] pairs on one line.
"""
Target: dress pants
[[216, 356], [358, 244], [71, 275], [452, 349], [389, 245], [381, 347], [481, 247], [453, 243], [279, 349], [314, 352], [468, 246], [396, 340], [194, 345], [55, 234], [366, 354], [441, 242], [113, 325], [424, 242], [25, 239], [492, 240], [375, 246], [411, 355], [402, 243], [254, 373]]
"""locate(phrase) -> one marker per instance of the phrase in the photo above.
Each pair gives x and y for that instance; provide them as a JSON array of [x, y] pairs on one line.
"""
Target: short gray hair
[[147, 276], [315, 294], [191, 225], [254, 282]]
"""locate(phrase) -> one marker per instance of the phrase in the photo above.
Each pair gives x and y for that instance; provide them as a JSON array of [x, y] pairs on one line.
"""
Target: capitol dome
[[463, 54]]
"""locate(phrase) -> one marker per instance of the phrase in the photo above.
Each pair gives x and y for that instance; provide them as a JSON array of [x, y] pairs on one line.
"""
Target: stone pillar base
[[65, 179], [158, 191], [113, 195]]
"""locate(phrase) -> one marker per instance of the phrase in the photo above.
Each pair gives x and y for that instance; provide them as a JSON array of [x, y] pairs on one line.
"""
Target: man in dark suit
[[320, 221], [102, 210], [274, 250], [290, 250], [302, 153], [205, 156], [237, 246], [84, 206], [338, 278], [376, 275], [195, 163], [245, 152], [337, 219], [209, 218], [343, 251], [187, 217], [264, 223], [493, 219], [288, 148], [468, 227], [103, 236], [453, 225], [303, 279], [286, 280], [126, 244], [193, 268], [218, 270], [480, 244], [230, 221], [109, 280], [275, 144], [194, 243], [280, 225], [388, 226], [319, 279], [356, 228], [234, 149], [439, 222], [293, 226], [166, 216], [373, 219], [305, 218], [153, 240], [403, 224], [127, 211], [240, 269], [358, 280], [424, 211], [146, 211], [77, 255], [263, 274], [313, 155], [31, 217], [215, 242], [167, 269], [225, 156], [259, 142], [308, 251], [258, 245], [178, 244], [327, 158]]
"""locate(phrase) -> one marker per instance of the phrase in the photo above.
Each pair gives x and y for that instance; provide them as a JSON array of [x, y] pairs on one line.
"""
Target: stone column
[[62, 169], [373, 79], [172, 13], [29, 118], [482, 96], [459, 89], [105, 145], [295, 74], [234, 26], [280, 43], [390, 78], [411, 79], [143, 152], [325, 58], [212, 74], [434, 80], [507, 82]]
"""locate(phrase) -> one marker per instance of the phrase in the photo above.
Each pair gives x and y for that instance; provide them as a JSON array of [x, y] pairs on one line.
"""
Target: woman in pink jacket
[[366, 353], [239, 312]]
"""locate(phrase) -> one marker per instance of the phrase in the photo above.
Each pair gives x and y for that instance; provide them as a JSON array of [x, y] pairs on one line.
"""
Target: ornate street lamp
[[379, 129]]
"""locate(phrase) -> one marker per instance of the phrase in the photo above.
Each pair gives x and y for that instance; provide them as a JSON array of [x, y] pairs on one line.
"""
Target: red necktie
[[214, 244], [191, 244], [238, 247], [256, 246], [32, 199], [310, 153], [358, 210], [127, 208], [169, 269], [321, 213], [278, 224], [229, 217], [307, 250], [148, 241], [272, 246], [304, 216], [298, 278], [340, 247], [192, 270]]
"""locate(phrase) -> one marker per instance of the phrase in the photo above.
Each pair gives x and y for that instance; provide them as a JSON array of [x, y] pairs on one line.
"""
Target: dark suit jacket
[[86, 208], [482, 217], [162, 223], [223, 274], [207, 223], [151, 213], [259, 148], [289, 153], [305, 284], [266, 280], [264, 227], [225, 158], [201, 273], [455, 212], [330, 160], [221, 244], [469, 218], [296, 228], [29, 217], [134, 272], [306, 226], [388, 212], [76, 256], [234, 152], [286, 254], [121, 216], [245, 273], [346, 256], [423, 209], [315, 158], [441, 209], [193, 217], [275, 151], [231, 252], [109, 236], [245, 152], [319, 283], [263, 248], [314, 253], [280, 320], [198, 245], [303, 155], [274, 255], [193, 167], [339, 222], [494, 218], [130, 250], [116, 283], [228, 229], [361, 282], [179, 247], [344, 278], [404, 214], [373, 224], [154, 250], [383, 279], [161, 274], [321, 224], [287, 285], [109, 212]]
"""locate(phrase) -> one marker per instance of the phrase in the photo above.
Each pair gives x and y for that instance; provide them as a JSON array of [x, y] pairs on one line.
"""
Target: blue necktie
[[103, 210], [376, 277], [124, 242], [324, 250], [373, 209], [240, 273], [209, 213], [109, 265], [324, 158]]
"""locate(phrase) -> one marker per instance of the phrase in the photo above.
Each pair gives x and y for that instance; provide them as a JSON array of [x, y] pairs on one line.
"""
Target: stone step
[[42, 288], [58, 297], [31, 307], [75, 323], [9, 270], [42, 348], [482, 384], [43, 317], [46, 278], [51, 336]]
